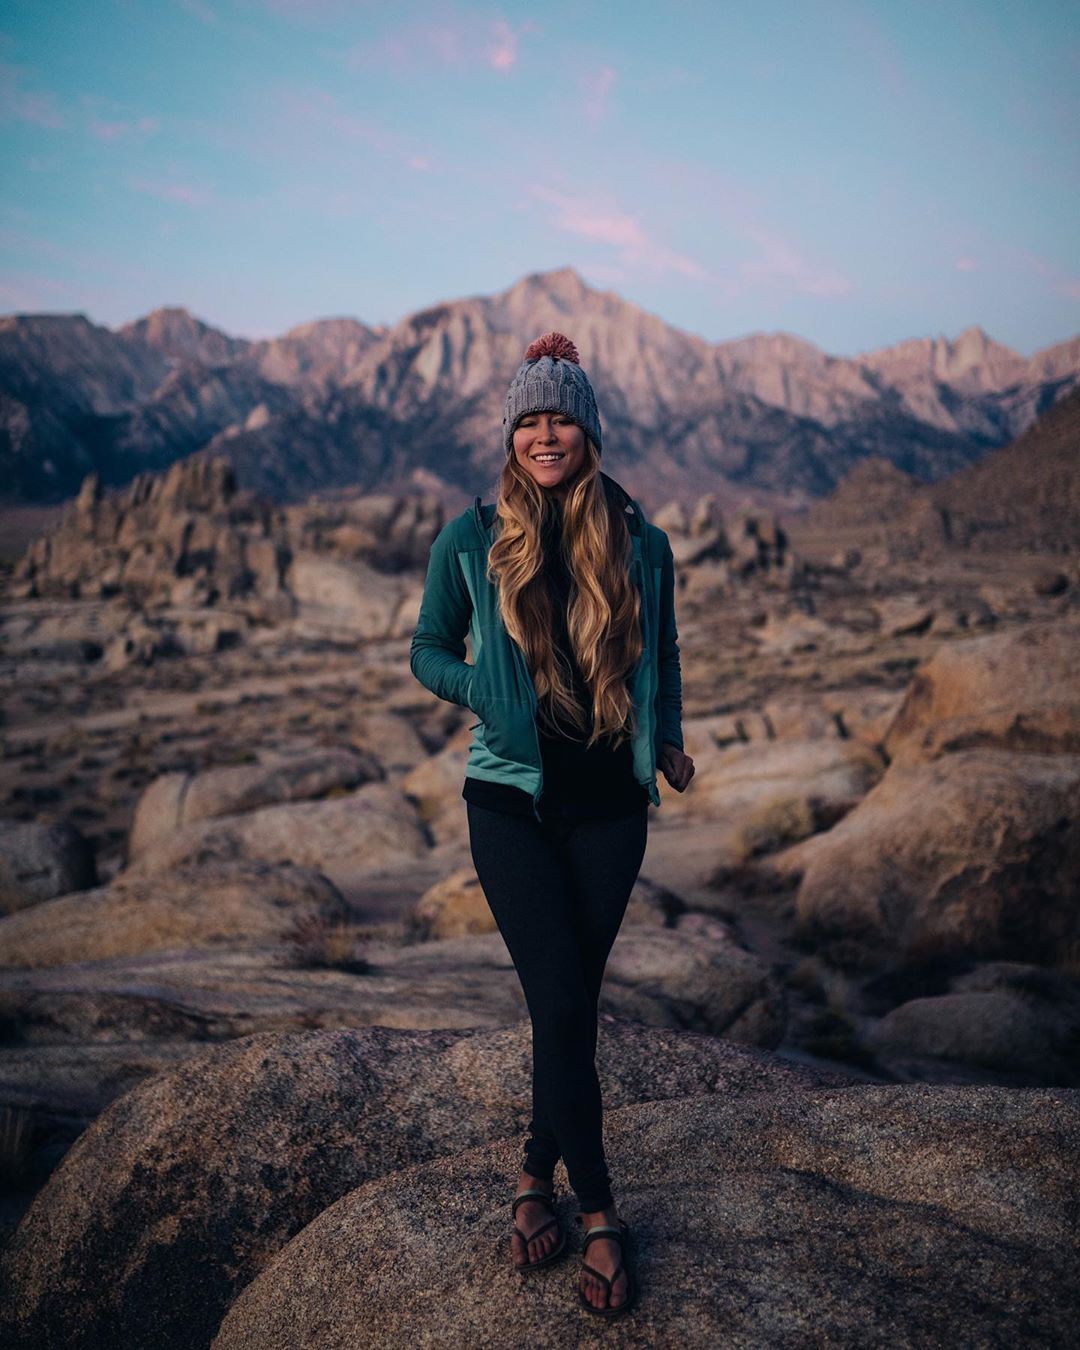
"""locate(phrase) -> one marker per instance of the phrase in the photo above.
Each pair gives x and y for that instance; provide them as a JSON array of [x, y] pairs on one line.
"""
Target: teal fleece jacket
[[497, 687]]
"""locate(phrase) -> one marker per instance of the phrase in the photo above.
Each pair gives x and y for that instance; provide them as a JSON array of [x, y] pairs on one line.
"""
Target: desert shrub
[[784, 820], [322, 943]]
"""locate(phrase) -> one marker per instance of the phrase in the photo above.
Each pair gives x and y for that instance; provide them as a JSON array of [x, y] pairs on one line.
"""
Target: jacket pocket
[[509, 731], [478, 698], [499, 701]]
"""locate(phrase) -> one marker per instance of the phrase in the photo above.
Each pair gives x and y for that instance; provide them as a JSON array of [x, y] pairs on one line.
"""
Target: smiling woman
[[568, 593]]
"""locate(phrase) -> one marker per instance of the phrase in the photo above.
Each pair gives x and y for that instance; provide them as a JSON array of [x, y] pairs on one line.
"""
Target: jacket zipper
[[645, 591]]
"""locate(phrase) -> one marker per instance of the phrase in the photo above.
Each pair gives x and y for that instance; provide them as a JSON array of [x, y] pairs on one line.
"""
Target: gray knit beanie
[[550, 379]]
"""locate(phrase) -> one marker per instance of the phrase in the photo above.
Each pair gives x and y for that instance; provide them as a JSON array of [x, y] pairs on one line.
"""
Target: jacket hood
[[484, 515]]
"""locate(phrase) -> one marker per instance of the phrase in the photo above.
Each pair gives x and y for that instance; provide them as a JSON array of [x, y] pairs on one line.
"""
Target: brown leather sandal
[[560, 1246], [620, 1235]]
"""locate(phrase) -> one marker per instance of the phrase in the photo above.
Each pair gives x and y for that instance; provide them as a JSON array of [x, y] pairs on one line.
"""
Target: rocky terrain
[[1026, 499], [264, 1058], [764, 418]]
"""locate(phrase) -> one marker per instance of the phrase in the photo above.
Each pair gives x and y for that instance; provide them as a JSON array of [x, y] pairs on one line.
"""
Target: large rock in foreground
[[186, 1186], [975, 853], [873, 1216]]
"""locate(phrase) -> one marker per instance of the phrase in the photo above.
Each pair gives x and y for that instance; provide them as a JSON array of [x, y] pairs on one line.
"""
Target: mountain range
[[336, 403]]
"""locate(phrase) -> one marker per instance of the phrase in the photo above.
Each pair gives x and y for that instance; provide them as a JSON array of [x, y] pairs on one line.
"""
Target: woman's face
[[551, 448]]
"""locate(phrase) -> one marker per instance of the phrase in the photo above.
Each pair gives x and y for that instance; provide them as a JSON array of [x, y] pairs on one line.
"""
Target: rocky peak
[[333, 332], [179, 336], [783, 348], [564, 285], [72, 367], [323, 352], [1059, 361], [973, 359]]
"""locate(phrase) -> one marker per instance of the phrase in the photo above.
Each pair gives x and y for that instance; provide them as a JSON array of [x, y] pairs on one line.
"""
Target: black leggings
[[558, 891]]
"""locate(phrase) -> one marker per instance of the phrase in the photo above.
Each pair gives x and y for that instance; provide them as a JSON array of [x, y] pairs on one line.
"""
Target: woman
[[568, 597]]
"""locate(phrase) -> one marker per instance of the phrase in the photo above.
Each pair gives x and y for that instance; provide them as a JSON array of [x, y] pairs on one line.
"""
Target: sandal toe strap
[[599, 1274], [533, 1236]]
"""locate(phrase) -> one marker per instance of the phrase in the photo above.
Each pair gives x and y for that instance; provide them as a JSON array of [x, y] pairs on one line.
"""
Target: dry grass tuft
[[774, 824], [331, 944]]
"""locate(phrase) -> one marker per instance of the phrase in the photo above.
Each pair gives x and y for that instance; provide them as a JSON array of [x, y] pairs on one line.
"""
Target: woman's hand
[[676, 767]]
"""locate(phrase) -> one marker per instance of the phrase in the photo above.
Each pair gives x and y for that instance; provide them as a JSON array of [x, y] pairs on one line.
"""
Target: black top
[[580, 782]]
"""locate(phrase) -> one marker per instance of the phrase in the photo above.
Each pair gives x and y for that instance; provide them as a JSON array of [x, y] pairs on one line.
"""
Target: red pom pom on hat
[[556, 345]]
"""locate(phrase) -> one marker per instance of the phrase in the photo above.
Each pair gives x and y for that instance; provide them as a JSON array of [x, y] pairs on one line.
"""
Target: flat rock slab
[[219, 995], [873, 1216], [660, 976]]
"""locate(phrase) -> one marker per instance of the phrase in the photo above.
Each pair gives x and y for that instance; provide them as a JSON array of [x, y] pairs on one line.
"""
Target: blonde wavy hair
[[603, 620]]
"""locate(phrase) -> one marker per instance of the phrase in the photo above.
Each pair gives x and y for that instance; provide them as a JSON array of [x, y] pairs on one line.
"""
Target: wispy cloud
[[780, 263], [966, 264], [40, 107], [91, 113], [773, 260], [310, 107], [172, 191], [596, 88], [618, 230], [315, 126], [502, 51], [121, 130], [464, 40], [1060, 280]]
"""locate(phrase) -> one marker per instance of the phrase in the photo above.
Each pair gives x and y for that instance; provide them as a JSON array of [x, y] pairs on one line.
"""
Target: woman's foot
[[531, 1215], [605, 1254]]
